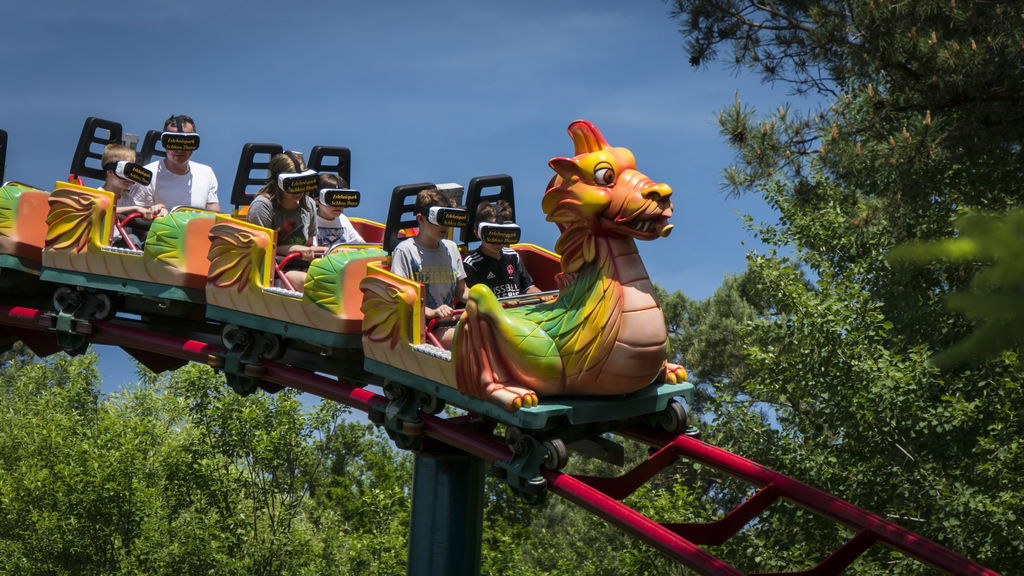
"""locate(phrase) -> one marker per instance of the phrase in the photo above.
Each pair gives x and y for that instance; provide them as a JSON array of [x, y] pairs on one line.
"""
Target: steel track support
[[446, 525]]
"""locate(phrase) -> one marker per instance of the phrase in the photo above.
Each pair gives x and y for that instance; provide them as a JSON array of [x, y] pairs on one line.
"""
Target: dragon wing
[[239, 255], [76, 217]]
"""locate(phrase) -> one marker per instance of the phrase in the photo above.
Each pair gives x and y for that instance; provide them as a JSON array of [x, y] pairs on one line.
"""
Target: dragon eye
[[604, 176]]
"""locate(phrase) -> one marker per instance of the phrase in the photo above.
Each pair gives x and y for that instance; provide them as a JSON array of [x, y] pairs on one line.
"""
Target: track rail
[[600, 496]]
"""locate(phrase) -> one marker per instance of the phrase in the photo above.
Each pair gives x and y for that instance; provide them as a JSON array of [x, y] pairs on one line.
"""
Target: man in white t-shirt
[[177, 181]]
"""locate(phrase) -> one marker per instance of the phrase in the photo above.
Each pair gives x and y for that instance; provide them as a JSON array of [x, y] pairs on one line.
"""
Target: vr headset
[[493, 233], [337, 197], [446, 217], [130, 171], [298, 182], [183, 141]]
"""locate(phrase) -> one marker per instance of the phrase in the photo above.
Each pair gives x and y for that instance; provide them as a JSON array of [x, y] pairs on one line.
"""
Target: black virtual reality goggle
[[182, 141], [446, 217], [493, 233], [130, 171], [298, 182], [337, 197]]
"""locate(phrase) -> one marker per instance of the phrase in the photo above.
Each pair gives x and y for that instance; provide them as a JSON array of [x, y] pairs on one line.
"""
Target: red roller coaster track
[[601, 496]]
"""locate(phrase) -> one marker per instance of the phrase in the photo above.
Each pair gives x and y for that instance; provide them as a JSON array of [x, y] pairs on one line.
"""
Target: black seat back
[[150, 150], [247, 163], [3, 154], [336, 159], [96, 133], [402, 212], [486, 189]]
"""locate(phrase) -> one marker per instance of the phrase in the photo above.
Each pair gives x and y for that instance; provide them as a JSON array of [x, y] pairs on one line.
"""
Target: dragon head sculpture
[[599, 193]]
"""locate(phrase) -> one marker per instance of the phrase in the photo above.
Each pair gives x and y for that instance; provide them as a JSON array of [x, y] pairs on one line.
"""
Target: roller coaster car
[[20, 247], [77, 252], [22, 227], [167, 277], [24, 209], [240, 291], [321, 323], [595, 355], [22, 231]]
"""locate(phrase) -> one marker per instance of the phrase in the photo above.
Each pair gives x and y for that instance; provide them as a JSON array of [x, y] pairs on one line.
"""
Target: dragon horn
[[586, 137]]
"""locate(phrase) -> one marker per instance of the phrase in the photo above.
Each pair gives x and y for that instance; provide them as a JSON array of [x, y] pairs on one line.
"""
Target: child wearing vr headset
[[433, 260], [121, 176], [494, 263], [284, 204], [332, 226], [177, 180]]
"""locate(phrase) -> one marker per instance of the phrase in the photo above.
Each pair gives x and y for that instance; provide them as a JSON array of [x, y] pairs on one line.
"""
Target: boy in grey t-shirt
[[434, 261]]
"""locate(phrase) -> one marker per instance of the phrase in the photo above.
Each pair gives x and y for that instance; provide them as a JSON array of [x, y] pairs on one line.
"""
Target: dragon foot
[[674, 373], [510, 397]]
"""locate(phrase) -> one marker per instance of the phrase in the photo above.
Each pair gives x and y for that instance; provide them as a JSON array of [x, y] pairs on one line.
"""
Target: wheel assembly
[[234, 336], [557, 455], [432, 405], [673, 417], [104, 306], [66, 299]]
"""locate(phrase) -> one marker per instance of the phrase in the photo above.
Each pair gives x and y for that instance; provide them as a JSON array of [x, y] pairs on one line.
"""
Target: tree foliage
[[181, 476], [994, 299], [913, 123]]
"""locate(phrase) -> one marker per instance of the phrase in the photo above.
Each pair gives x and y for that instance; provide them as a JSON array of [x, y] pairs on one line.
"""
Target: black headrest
[[336, 159], [3, 153], [149, 147], [402, 212], [91, 134], [246, 165], [486, 189]]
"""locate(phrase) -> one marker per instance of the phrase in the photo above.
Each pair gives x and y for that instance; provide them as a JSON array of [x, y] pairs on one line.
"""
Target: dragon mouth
[[651, 229], [650, 220]]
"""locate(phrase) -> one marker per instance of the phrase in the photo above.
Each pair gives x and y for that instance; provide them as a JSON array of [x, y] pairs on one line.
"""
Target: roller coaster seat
[[372, 232]]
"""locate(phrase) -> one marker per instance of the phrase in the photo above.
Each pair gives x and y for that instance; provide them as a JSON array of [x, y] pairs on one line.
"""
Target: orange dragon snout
[[646, 205]]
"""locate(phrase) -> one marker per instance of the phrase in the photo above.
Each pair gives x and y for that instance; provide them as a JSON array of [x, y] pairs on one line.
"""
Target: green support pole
[[447, 515]]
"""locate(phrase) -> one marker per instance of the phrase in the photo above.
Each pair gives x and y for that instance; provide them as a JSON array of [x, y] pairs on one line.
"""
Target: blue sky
[[437, 91]]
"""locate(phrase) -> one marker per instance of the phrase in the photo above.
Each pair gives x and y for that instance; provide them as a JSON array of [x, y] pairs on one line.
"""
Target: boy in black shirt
[[496, 265]]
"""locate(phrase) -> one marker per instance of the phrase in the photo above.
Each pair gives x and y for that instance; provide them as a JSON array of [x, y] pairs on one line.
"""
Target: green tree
[[994, 299], [181, 476], [917, 125]]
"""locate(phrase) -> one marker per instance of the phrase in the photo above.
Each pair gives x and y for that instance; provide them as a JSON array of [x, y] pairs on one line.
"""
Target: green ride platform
[[575, 410]]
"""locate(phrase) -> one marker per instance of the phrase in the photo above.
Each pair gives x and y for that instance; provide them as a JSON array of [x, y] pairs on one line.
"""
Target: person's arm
[[354, 236], [140, 195], [472, 275], [310, 249], [307, 252], [349, 233], [212, 201], [400, 265], [261, 213], [461, 290], [147, 213], [445, 311]]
